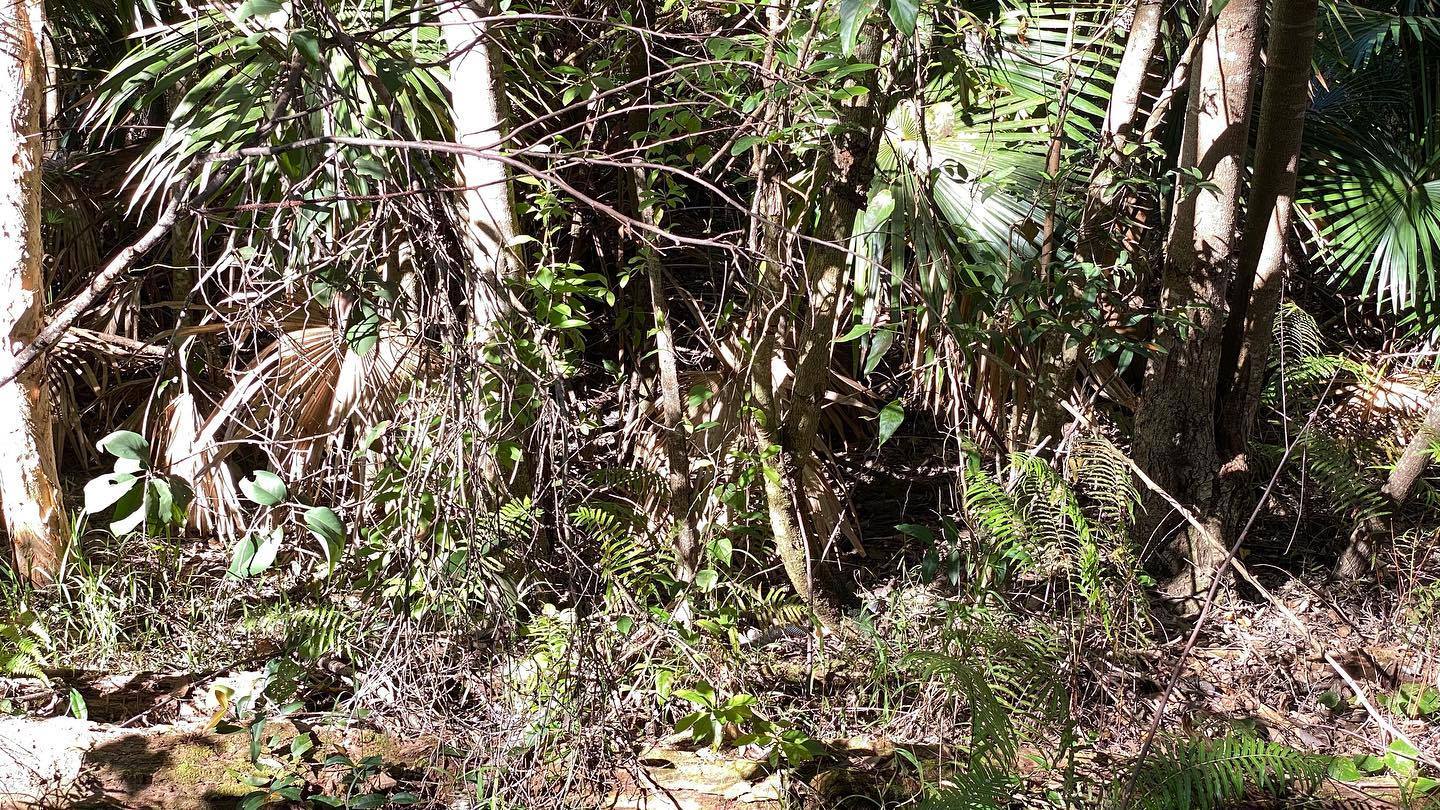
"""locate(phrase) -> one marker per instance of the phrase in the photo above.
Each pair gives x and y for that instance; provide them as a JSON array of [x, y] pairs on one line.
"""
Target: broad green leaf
[[125, 444], [264, 487], [903, 14], [1344, 769], [78, 709], [853, 14], [857, 331], [254, 553], [160, 506], [364, 330], [129, 513], [327, 528], [306, 43], [102, 493], [707, 579], [890, 418], [257, 8]]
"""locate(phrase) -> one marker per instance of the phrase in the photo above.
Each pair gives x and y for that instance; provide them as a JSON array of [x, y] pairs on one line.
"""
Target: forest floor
[[165, 739]]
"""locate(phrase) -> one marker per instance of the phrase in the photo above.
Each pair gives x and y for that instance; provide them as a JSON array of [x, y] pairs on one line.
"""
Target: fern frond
[[1198, 774]]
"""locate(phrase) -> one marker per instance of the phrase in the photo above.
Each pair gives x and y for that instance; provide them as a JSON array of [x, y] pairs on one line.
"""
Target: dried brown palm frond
[[297, 400]]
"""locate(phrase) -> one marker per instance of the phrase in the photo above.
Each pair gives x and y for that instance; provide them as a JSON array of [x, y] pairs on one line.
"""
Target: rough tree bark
[[1175, 424], [29, 492]]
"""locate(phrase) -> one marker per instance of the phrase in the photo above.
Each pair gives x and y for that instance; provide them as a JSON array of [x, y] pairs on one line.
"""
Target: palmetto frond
[[1372, 204]]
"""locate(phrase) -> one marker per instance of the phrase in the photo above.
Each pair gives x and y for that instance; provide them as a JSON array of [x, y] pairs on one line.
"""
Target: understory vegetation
[[695, 403]]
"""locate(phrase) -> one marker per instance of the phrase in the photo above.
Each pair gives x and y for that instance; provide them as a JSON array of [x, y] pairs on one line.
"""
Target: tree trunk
[[1254, 293], [1094, 241], [1175, 424], [29, 491], [481, 114], [1358, 555], [787, 417], [1416, 457], [481, 120]]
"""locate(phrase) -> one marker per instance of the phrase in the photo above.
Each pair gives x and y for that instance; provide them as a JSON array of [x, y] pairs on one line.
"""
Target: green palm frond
[[1359, 34], [219, 73], [1045, 47], [1372, 204], [1198, 774]]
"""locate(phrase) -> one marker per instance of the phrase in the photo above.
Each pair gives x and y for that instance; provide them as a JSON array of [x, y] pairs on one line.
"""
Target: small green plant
[[736, 719], [137, 495], [299, 766], [255, 552], [21, 640], [1400, 761], [1413, 700]]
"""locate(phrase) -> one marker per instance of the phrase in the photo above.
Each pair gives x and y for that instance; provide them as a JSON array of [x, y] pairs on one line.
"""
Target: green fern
[[1198, 773], [1330, 465], [630, 564], [978, 788], [21, 640], [320, 631]]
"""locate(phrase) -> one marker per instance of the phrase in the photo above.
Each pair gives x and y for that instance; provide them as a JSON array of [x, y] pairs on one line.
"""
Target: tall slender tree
[[29, 491], [480, 119]]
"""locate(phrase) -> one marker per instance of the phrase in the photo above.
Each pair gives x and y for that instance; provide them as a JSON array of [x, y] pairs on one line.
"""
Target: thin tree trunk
[[1359, 553], [1094, 242], [1418, 453], [29, 491], [1175, 424], [1254, 294], [480, 118], [672, 408]]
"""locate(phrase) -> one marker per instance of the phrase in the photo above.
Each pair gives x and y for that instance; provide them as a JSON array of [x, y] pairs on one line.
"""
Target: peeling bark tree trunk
[[1175, 424], [29, 491], [1254, 294], [481, 120]]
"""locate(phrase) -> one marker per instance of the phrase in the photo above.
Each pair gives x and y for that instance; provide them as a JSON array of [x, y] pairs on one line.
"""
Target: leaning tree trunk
[[1175, 424], [29, 490], [1254, 294], [1358, 555]]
